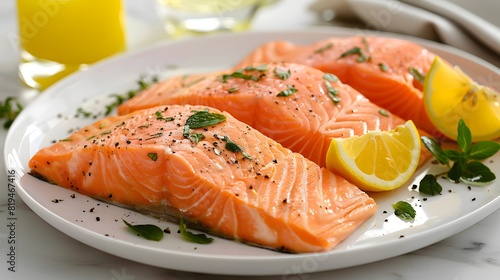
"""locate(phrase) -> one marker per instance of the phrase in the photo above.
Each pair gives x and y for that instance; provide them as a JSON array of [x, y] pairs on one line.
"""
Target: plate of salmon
[[230, 141]]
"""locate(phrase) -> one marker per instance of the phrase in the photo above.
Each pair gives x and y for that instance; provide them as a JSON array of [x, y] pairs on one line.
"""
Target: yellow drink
[[183, 17], [57, 37]]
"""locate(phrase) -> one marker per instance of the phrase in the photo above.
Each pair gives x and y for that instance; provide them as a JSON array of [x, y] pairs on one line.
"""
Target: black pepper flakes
[[97, 219]]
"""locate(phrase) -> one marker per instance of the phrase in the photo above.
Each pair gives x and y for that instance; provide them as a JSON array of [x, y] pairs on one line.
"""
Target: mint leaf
[[150, 232], [434, 147], [429, 185], [454, 155], [483, 150], [404, 210], [477, 172], [456, 170], [464, 137], [192, 237], [203, 118]]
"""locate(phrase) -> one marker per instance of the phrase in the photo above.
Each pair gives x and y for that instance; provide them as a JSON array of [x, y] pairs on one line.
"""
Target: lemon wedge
[[379, 160], [451, 95]]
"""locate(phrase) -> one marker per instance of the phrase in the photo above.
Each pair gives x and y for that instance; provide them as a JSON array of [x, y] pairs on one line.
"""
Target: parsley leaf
[[150, 232]]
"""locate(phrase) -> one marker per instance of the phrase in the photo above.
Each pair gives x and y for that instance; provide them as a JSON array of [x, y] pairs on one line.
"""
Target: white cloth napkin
[[440, 21]]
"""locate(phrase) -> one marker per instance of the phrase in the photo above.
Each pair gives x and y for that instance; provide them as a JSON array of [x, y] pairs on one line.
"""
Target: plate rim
[[482, 211]]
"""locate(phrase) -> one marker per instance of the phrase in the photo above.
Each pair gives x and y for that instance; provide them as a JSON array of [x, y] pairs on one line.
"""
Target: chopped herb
[[330, 77], [240, 75], [143, 83], [324, 48], [383, 67], [192, 237], [466, 162], [153, 156], [185, 131], [203, 118], [287, 92], [159, 116], [156, 135], [356, 50], [404, 210], [66, 140], [83, 112], [150, 232], [261, 68], [196, 137], [417, 74], [383, 112], [144, 126], [282, 74], [9, 110], [332, 93], [231, 90], [233, 147]]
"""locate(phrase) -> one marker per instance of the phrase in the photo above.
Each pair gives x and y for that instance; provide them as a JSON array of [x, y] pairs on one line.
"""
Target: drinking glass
[[194, 17], [59, 37]]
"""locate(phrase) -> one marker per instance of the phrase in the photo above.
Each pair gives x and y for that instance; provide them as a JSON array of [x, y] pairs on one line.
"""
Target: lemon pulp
[[450, 95], [378, 160]]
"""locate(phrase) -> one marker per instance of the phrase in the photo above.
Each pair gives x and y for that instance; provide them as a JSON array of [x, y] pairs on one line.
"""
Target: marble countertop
[[43, 252]]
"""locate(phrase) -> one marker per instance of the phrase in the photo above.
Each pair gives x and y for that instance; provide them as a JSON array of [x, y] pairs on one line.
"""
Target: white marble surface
[[45, 253]]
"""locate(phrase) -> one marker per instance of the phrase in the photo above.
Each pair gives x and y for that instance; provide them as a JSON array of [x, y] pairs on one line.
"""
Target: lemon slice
[[450, 95], [378, 160]]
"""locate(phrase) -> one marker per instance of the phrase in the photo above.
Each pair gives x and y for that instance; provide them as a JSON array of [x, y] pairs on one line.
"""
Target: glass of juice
[[193, 17], [59, 37]]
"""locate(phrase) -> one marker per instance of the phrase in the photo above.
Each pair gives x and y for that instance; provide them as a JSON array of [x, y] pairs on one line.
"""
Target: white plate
[[383, 236]]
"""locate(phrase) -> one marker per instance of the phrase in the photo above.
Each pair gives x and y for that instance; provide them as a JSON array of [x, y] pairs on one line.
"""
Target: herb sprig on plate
[[463, 164]]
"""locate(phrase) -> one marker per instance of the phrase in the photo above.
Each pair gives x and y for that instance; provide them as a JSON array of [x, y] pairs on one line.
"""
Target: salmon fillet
[[382, 69], [226, 177], [318, 108]]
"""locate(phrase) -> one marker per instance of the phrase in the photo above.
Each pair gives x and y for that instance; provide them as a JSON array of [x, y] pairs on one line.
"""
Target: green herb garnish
[[9, 110], [150, 232], [231, 90], [332, 93], [383, 67], [233, 147], [199, 238], [417, 74], [330, 77], [356, 51], [287, 92], [196, 137], [240, 75], [282, 74], [260, 68], [383, 112], [86, 114], [404, 210], [153, 156], [142, 84], [466, 161], [204, 118], [159, 116], [324, 48]]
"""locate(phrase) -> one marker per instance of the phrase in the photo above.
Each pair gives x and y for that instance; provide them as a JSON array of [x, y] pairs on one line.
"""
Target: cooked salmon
[[385, 70], [298, 106], [212, 169]]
